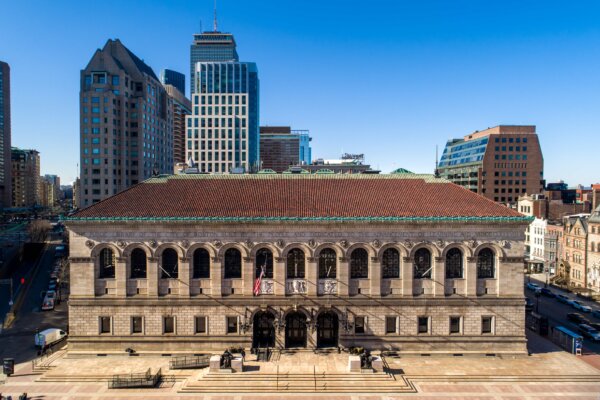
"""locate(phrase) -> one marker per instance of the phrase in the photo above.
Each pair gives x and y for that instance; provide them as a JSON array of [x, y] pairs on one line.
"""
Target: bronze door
[[264, 330], [295, 330], [327, 330]]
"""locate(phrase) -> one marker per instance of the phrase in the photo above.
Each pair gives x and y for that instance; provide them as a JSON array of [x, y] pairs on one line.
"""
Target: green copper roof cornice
[[522, 219]]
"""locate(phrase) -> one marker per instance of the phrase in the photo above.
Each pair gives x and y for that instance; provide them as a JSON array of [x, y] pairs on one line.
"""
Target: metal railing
[[183, 362], [127, 381]]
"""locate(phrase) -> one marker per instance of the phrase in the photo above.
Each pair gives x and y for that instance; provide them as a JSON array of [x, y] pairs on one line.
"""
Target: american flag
[[258, 281]]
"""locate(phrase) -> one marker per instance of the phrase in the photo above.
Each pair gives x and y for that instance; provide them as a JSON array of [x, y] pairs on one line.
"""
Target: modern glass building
[[5, 137], [281, 147], [210, 47], [174, 78], [223, 130]]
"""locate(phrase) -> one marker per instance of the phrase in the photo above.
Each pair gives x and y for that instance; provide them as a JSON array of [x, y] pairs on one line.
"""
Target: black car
[[595, 325], [577, 318], [528, 304], [547, 292]]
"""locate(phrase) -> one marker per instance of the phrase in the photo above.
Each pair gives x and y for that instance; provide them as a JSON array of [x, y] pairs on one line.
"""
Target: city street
[[18, 340], [557, 312]]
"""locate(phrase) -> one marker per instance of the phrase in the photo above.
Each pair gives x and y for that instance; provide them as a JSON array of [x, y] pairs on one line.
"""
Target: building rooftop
[[320, 197]]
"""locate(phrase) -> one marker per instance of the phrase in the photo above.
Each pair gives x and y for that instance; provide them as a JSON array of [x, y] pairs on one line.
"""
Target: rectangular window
[[423, 323], [137, 325], [105, 324], [390, 324], [169, 324], [232, 324], [487, 324], [455, 325], [359, 324], [200, 324]]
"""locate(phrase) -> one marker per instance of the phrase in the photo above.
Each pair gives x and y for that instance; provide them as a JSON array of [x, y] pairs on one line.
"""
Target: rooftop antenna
[[215, 20]]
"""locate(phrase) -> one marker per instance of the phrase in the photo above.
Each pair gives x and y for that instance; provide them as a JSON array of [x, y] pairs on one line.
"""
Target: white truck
[[48, 337]]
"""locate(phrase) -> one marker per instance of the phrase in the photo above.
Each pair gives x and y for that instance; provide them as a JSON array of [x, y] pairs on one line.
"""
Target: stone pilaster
[[121, 277], [471, 276], [216, 277], [439, 277], [343, 276], [407, 277], [279, 276], [248, 276], [375, 277], [185, 275], [81, 282], [153, 275], [312, 274]]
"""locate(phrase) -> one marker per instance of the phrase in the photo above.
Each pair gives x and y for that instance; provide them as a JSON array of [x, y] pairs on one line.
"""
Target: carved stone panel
[[327, 286]]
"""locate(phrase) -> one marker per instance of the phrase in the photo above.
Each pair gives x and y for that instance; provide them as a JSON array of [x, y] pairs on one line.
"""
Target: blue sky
[[391, 79]]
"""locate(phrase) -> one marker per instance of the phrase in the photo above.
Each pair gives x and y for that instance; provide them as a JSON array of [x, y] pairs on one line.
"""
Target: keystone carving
[[376, 243], [473, 243], [217, 243], [185, 244], [249, 243], [344, 243], [408, 244], [121, 244], [440, 243], [312, 243], [153, 243], [280, 243], [89, 243]]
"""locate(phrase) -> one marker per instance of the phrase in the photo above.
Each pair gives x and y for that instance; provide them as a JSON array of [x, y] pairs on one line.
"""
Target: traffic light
[[22, 281]]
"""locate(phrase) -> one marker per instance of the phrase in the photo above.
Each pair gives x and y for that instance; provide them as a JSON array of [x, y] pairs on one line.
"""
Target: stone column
[[248, 276], [407, 277], [216, 277], [375, 277], [439, 277], [279, 276], [152, 276], [343, 276], [121, 277], [311, 272], [471, 276], [184, 276]]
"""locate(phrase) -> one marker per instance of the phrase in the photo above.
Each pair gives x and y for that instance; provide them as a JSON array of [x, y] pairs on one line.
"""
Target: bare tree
[[38, 230]]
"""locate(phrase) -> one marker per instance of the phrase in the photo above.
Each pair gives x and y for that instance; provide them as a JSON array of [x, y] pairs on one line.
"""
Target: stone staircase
[[298, 382]]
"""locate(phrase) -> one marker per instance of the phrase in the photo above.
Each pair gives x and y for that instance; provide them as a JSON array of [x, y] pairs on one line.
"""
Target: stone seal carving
[[505, 244], [121, 244], [217, 243], [153, 243], [185, 244], [344, 243], [376, 243], [280, 243], [408, 244], [249, 243], [440, 243], [89, 243], [312, 243], [473, 243]]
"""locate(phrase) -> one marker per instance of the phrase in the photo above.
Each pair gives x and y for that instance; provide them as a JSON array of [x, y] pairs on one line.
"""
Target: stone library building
[[192, 263]]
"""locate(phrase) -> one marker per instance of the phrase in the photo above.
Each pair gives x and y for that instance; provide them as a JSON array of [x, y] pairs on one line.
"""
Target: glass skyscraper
[[211, 47], [174, 78], [223, 131]]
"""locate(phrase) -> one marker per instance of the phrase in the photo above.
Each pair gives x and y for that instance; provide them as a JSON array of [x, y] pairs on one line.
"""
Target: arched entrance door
[[264, 330], [295, 330], [327, 329]]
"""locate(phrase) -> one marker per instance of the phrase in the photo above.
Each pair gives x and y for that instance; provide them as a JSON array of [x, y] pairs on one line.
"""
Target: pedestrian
[[23, 396], [243, 352]]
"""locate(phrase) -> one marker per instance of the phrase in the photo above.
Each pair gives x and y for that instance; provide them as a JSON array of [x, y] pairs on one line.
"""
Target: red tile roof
[[295, 196]]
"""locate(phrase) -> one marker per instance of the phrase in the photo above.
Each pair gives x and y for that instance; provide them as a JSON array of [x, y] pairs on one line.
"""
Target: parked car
[[533, 286], [547, 292], [528, 304], [52, 286], [48, 337], [49, 300], [589, 332], [562, 298], [577, 318], [595, 325], [596, 313], [580, 306]]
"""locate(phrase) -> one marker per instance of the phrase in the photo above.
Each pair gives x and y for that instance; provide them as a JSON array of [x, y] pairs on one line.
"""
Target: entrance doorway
[[295, 330], [264, 330], [327, 329]]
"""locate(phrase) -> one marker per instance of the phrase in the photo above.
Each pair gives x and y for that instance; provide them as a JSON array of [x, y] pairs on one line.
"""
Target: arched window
[[170, 264], [327, 264], [138, 264], [295, 264], [422, 264], [485, 264], [454, 264], [359, 264], [233, 264], [390, 264], [264, 263], [201, 264], [107, 264]]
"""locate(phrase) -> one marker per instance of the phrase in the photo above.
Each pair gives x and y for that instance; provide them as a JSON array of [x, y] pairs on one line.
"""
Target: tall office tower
[[173, 78], [5, 137], [126, 124], [500, 163], [181, 107], [25, 177], [210, 47], [281, 147], [222, 132]]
